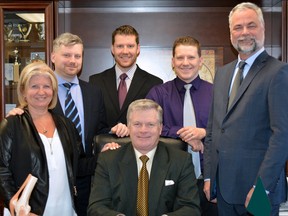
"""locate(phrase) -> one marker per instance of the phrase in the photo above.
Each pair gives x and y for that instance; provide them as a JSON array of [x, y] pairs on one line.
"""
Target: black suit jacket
[[172, 184], [94, 116], [141, 83], [250, 139]]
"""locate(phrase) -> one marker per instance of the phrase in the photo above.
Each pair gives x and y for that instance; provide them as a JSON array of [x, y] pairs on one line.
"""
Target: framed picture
[[37, 56], [9, 71]]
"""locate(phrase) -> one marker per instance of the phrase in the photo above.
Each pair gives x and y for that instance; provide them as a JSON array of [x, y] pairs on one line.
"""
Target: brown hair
[[186, 40], [125, 30]]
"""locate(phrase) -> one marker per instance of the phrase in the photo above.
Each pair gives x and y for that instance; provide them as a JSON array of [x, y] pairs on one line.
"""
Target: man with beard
[[247, 127], [125, 49]]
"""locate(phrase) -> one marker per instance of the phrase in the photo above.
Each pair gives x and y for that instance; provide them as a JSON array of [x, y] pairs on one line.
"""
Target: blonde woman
[[41, 143]]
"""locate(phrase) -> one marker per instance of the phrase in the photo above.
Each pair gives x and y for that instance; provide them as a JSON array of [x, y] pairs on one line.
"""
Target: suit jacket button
[[222, 130]]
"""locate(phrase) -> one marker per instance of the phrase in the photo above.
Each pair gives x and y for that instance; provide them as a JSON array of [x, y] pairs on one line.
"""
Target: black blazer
[[94, 113], [141, 83]]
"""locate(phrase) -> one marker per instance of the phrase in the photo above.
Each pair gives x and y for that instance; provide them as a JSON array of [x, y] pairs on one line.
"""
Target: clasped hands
[[193, 136]]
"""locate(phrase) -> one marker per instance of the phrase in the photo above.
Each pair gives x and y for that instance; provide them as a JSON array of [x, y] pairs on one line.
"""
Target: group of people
[[234, 134]]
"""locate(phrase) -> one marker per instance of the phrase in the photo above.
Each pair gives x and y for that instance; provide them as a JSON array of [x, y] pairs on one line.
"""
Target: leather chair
[[100, 140]]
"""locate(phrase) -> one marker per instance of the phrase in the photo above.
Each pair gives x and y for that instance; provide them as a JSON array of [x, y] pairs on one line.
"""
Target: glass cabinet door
[[26, 34]]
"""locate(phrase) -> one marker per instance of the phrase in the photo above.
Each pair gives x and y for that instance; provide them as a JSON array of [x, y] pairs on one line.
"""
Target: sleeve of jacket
[[276, 154], [7, 184], [100, 201]]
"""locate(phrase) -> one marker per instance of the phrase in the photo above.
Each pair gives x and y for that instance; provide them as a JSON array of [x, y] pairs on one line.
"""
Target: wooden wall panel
[[158, 28]]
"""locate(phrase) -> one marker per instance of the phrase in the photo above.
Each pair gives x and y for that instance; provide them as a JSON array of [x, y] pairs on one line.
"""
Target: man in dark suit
[[125, 49], [172, 186], [67, 57], [247, 139]]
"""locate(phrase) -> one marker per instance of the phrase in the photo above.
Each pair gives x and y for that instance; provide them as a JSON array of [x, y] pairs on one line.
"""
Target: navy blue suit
[[250, 139]]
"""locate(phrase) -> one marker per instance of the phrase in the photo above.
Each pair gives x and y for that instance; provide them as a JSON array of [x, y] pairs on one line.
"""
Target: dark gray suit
[[114, 189], [141, 84], [250, 139]]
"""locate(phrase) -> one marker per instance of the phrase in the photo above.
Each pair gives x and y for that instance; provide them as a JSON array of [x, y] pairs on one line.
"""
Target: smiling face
[[68, 60], [246, 32], [145, 129], [186, 62], [125, 51], [39, 92]]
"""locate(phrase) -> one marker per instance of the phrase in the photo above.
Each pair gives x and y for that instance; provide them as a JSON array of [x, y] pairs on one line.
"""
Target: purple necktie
[[122, 89]]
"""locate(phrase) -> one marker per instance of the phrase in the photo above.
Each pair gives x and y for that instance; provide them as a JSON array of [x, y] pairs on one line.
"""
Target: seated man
[[163, 183]]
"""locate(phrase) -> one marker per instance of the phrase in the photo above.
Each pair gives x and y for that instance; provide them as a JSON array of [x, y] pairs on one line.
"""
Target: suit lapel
[[159, 171], [109, 81], [128, 170], [86, 105], [136, 85], [257, 65], [58, 109], [225, 77]]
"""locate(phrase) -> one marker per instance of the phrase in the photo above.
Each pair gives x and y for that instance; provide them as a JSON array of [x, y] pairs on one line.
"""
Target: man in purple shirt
[[186, 63]]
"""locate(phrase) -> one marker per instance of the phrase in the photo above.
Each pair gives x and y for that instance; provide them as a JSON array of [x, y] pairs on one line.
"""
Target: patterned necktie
[[142, 190], [122, 89], [237, 82], [190, 120], [71, 111]]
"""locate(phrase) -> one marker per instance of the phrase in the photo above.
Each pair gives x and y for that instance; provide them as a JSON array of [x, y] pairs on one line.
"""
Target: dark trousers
[[83, 192], [207, 208]]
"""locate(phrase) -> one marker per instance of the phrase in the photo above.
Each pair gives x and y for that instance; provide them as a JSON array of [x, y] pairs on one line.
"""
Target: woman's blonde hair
[[33, 69]]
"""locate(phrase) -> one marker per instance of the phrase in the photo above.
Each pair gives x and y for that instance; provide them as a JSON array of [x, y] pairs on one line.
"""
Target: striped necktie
[[71, 111]]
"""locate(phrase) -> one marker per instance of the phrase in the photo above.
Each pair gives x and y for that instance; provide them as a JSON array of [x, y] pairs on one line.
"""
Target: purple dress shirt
[[170, 96]]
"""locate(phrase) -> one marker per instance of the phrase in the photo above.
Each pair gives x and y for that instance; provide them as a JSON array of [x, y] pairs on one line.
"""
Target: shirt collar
[[180, 83], [252, 58], [129, 73], [61, 81], [150, 154]]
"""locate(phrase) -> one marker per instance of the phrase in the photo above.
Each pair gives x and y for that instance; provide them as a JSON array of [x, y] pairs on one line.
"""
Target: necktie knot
[[187, 86], [123, 76], [67, 85], [144, 159], [241, 65]]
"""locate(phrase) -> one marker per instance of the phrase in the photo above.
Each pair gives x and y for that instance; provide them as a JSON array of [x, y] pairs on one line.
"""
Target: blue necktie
[[71, 111]]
